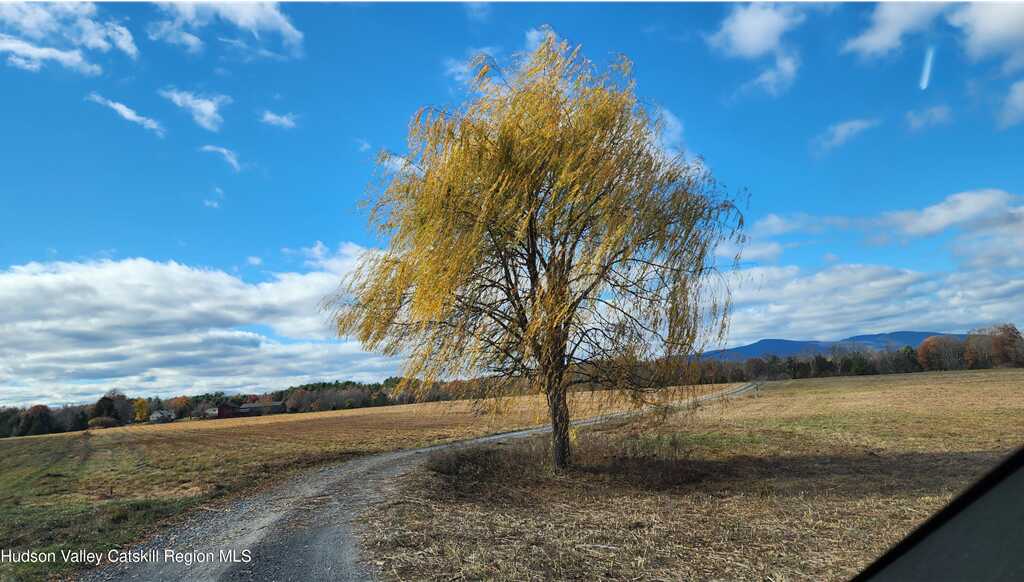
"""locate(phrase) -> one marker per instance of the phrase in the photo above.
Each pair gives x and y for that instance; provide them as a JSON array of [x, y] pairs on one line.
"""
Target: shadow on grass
[[499, 471]]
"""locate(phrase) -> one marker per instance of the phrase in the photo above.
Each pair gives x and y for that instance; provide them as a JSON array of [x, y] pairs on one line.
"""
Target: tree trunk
[[558, 407]]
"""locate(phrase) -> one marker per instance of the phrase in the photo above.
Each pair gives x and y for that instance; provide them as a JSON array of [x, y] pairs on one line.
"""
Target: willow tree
[[541, 232]]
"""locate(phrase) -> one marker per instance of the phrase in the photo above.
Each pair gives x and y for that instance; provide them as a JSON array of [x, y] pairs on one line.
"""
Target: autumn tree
[[1007, 345], [179, 405], [978, 350], [540, 231], [140, 410], [941, 352]]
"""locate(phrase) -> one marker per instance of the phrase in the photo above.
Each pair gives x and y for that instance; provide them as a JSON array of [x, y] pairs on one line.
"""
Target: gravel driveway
[[301, 529]]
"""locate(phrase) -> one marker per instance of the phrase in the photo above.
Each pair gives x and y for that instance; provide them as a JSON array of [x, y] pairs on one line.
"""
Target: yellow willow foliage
[[540, 231]]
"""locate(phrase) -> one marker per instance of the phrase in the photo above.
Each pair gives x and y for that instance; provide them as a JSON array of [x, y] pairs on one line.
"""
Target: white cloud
[[27, 56], [254, 18], [752, 251], [286, 121], [249, 53], [963, 208], [216, 200], [396, 164], [74, 23], [362, 145], [478, 11], [775, 225], [168, 32], [1012, 111], [670, 141], [122, 39], [846, 299], [254, 261], [128, 113], [994, 243], [229, 156], [77, 329], [34, 20], [753, 31], [81, 328], [842, 300], [776, 80], [838, 134], [987, 226], [205, 110], [932, 116], [536, 37], [992, 29], [890, 22]]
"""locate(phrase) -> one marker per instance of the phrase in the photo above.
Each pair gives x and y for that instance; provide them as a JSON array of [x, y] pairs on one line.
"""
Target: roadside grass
[[103, 489], [808, 480]]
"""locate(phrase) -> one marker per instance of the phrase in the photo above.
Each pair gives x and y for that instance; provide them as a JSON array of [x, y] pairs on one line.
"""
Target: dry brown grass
[[103, 488], [810, 480]]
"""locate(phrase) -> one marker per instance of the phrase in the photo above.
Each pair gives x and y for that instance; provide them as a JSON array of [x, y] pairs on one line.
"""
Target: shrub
[[103, 422]]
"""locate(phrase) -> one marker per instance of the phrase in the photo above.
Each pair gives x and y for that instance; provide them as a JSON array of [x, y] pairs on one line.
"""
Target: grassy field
[[809, 480], [102, 489]]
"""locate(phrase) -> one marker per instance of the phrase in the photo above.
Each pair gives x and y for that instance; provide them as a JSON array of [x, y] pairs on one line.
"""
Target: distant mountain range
[[784, 348]]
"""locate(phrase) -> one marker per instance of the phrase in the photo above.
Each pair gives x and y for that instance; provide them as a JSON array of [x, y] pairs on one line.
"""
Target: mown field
[[808, 480], [102, 489]]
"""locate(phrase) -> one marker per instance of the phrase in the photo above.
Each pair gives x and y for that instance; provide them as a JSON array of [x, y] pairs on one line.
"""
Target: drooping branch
[[539, 231]]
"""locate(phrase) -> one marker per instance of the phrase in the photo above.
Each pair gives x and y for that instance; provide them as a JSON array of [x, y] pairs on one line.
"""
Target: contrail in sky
[[926, 71]]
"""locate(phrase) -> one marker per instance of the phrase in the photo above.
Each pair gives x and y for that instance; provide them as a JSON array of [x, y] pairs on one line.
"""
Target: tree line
[[994, 347], [116, 409], [999, 346]]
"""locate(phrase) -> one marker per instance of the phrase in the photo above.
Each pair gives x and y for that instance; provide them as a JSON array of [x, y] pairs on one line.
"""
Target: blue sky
[[180, 183]]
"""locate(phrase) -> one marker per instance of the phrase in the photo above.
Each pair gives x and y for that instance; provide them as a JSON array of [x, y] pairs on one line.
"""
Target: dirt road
[[300, 529]]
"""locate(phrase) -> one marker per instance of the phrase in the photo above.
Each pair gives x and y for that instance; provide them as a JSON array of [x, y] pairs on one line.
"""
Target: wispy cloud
[[216, 200], [29, 57], [957, 209], [932, 116], [127, 113], [205, 110], [776, 80], [168, 32], [478, 11], [670, 140], [77, 24], [362, 145], [1012, 111], [890, 22], [252, 17], [286, 120], [229, 156], [249, 53], [838, 134]]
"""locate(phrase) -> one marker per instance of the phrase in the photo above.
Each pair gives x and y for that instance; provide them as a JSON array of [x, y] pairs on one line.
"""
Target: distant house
[[259, 408], [223, 410], [161, 416]]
